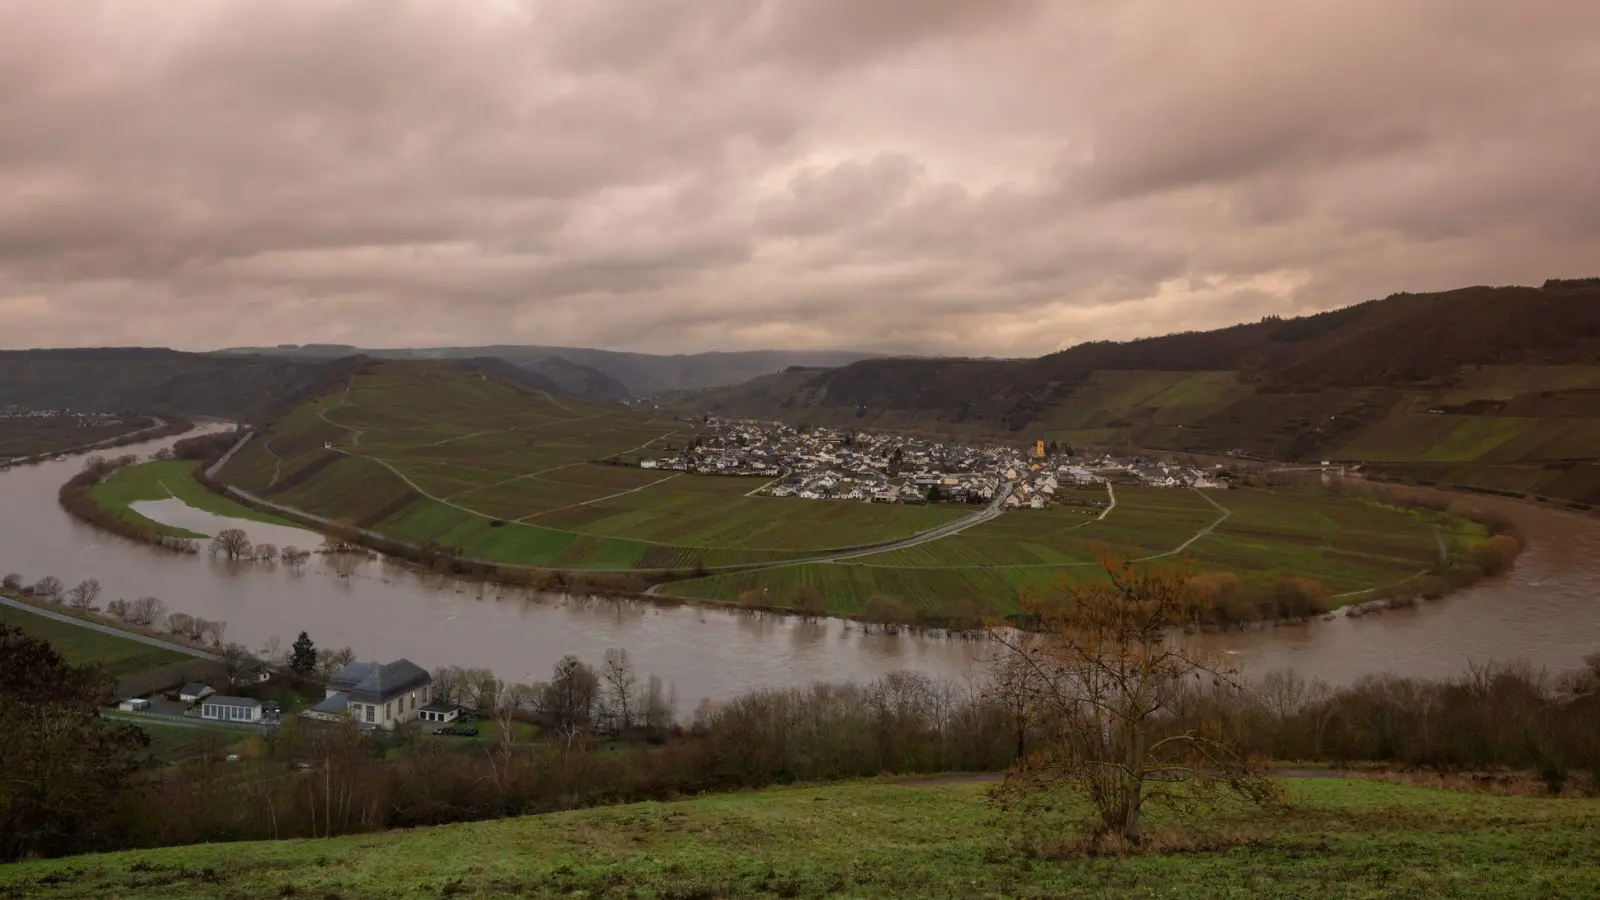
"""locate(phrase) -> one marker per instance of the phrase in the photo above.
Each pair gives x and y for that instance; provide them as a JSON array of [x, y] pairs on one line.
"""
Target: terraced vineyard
[[426, 452], [1349, 544]]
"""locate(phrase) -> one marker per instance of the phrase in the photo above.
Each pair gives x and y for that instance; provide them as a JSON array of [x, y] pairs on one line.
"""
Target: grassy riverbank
[[164, 480], [80, 645], [1338, 838]]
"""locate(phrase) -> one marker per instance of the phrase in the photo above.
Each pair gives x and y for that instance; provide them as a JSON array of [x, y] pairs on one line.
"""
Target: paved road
[[107, 629]]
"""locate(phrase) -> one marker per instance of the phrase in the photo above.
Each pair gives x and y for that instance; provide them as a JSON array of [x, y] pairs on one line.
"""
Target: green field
[[1336, 838], [1347, 543], [83, 646], [426, 452], [161, 480]]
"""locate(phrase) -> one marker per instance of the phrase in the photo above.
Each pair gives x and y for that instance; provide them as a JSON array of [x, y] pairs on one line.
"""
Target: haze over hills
[[1499, 386], [158, 380], [602, 374]]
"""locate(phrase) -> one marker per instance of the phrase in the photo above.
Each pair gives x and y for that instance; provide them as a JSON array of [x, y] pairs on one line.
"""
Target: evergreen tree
[[303, 657]]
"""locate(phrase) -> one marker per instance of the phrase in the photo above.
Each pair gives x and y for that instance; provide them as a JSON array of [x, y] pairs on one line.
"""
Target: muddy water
[[1547, 612]]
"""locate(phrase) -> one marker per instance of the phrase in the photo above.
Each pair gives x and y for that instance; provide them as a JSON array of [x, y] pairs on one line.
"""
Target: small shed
[[134, 704], [439, 712], [194, 692]]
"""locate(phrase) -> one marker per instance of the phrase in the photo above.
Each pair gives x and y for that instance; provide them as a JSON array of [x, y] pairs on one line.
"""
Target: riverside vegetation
[[596, 737]]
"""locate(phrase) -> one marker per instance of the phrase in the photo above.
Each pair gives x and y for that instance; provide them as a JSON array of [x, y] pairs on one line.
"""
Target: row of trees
[[234, 544]]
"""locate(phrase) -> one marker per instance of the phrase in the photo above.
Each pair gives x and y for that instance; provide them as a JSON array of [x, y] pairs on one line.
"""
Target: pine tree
[[303, 657]]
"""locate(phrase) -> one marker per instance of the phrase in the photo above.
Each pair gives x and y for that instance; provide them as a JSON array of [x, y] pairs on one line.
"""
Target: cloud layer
[[1003, 177]]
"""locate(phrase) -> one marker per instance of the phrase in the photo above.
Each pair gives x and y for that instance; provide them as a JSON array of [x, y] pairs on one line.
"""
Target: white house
[[230, 709], [377, 695]]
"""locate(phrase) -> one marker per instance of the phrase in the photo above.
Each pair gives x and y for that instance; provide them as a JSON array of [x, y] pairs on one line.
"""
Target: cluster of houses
[[374, 695], [834, 464]]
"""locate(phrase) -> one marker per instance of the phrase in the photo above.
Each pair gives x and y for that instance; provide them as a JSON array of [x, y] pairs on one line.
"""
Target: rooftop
[[379, 680]]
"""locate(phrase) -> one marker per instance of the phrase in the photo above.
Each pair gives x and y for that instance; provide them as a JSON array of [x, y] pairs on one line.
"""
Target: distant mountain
[[601, 374], [146, 380]]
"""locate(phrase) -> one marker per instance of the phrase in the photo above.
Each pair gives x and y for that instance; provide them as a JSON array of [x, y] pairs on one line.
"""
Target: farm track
[[1074, 565], [581, 462], [636, 490]]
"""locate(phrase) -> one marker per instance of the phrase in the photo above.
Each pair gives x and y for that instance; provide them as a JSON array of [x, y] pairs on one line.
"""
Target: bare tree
[[809, 602], [265, 553], [180, 624], [146, 611], [118, 609], [569, 699], [448, 682], [341, 536], [329, 662], [12, 582], [272, 649], [238, 660], [84, 595], [50, 588], [211, 631], [232, 543], [1110, 678], [656, 707], [294, 557], [621, 682]]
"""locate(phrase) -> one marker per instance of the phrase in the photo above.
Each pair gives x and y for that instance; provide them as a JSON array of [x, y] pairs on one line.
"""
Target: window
[[388, 710], [370, 709]]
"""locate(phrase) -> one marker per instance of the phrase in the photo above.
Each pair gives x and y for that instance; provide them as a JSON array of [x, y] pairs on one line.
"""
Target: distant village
[[832, 464]]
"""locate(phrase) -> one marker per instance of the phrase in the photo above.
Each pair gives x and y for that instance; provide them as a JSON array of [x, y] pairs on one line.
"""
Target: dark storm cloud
[[1002, 178]]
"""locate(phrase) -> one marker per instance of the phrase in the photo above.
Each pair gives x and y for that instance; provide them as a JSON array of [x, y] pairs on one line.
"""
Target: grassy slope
[[1338, 839], [479, 451], [81, 646], [1347, 543], [161, 480]]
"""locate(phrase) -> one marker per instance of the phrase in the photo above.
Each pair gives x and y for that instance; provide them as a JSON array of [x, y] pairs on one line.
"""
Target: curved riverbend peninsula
[[1544, 613]]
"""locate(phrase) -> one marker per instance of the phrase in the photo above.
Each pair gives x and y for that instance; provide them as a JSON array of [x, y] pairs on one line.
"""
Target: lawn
[[1337, 838], [170, 743], [161, 480], [81, 646]]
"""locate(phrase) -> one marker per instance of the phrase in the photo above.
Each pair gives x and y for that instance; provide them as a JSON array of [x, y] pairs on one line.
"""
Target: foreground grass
[[83, 646], [1338, 838], [164, 480]]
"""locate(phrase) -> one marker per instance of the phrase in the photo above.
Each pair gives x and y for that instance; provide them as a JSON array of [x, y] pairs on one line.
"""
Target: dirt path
[[636, 490]]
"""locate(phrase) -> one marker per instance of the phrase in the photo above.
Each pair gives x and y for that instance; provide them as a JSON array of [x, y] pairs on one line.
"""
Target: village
[[831, 464]]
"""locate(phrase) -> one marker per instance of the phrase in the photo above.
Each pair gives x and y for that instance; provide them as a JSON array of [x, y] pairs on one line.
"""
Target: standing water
[[1545, 612]]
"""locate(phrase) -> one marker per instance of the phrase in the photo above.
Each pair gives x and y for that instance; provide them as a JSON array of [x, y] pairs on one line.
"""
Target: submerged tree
[[1105, 675], [232, 543]]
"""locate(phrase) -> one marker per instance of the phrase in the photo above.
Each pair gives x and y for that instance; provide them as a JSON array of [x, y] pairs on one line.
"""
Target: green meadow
[[1334, 838]]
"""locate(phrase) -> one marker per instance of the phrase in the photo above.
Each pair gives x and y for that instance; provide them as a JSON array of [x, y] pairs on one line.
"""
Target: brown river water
[[1547, 612]]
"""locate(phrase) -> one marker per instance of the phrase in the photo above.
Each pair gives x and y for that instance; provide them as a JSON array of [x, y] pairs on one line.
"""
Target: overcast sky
[[1001, 177]]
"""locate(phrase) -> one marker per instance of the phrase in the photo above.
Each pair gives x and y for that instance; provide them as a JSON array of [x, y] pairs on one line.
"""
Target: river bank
[[1547, 612]]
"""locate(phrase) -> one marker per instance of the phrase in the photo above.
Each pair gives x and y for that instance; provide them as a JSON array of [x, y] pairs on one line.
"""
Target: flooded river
[[1546, 612]]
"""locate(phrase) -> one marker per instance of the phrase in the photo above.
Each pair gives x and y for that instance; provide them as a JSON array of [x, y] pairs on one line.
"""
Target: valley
[[469, 467]]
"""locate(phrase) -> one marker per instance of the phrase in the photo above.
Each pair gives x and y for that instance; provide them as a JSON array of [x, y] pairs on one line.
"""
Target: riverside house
[[376, 695]]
